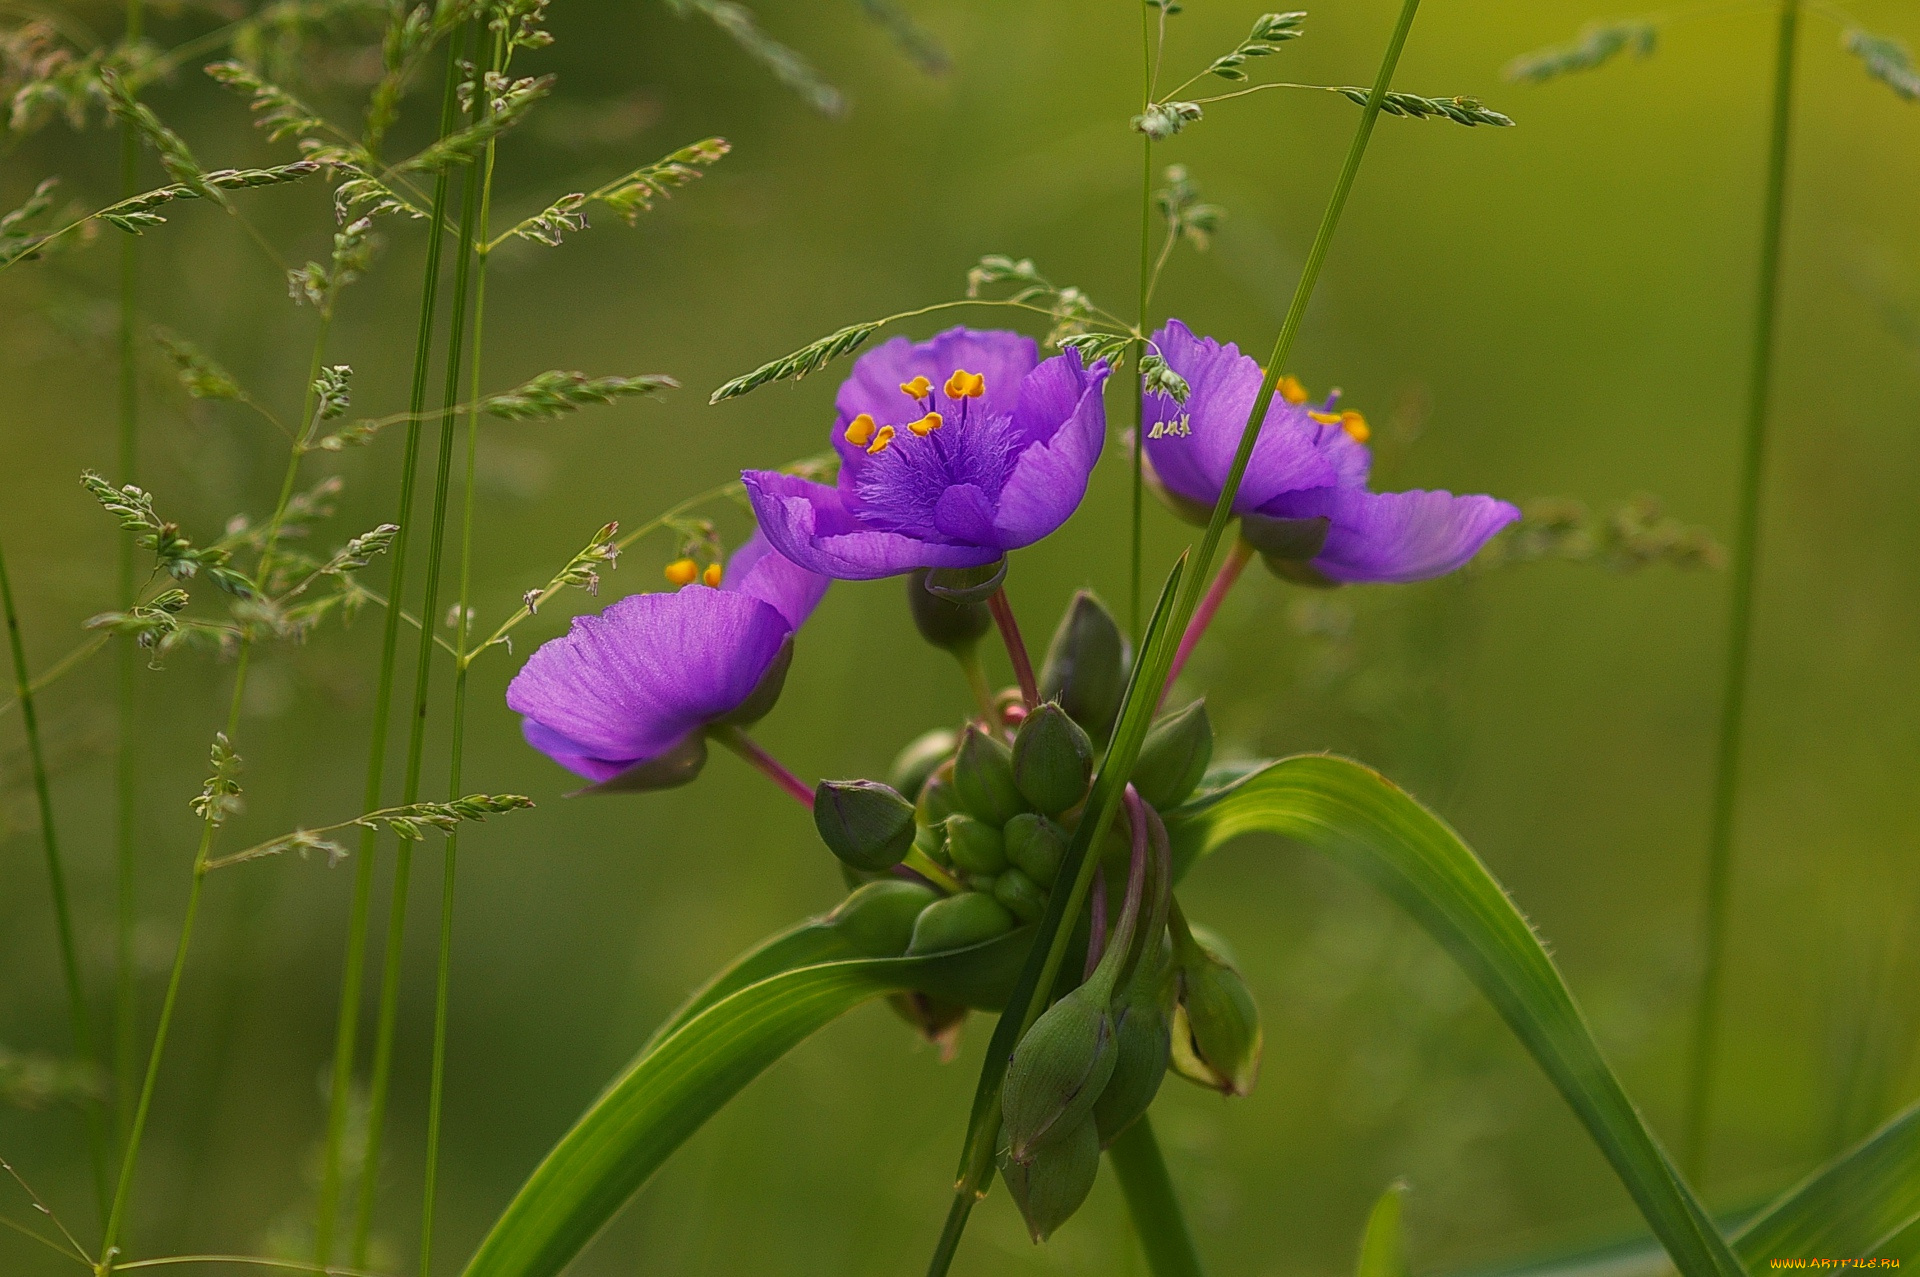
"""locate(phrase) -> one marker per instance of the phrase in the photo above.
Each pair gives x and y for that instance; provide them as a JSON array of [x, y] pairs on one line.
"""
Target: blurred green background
[[1557, 309]]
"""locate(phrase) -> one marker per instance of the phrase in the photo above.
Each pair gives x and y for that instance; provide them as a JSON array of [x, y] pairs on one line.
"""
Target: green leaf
[[1383, 1250], [1359, 818], [1856, 1205], [744, 1020]]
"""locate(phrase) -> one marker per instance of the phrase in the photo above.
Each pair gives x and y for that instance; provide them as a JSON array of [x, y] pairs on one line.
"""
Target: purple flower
[[637, 683], [1303, 501], [952, 452]]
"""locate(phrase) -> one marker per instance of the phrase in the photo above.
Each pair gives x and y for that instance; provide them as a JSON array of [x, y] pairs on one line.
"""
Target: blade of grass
[[1151, 1202]]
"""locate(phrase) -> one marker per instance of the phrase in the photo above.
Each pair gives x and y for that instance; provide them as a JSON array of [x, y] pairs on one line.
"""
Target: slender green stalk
[[387, 1020], [978, 1159], [976, 671], [57, 881], [442, 987], [126, 779], [1746, 554], [1144, 1182], [347, 1024], [1140, 325]]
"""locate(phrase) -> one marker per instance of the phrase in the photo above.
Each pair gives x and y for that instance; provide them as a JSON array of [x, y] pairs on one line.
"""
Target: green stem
[[976, 671], [57, 881], [126, 790], [347, 1023], [387, 1021], [978, 1158], [1140, 325], [1746, 553], [442, 989], [1142, 1172]]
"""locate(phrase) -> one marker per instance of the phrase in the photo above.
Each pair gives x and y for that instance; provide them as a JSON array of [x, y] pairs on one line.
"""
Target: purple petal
[[1003, 358], [1050, 478], [809, 524], [630, 683], [758, 571], [571, 754], [1293, 451], [965, 515], [1395, 537]]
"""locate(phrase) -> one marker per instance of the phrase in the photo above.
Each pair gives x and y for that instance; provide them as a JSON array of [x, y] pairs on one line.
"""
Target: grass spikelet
[[1461, 110], [1596, 46], [1886, 60], [554, 394], [277, 111], [810, 358], [787, 65]]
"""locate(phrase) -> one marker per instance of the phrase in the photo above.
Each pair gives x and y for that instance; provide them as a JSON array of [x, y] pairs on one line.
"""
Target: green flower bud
[[943, 622], [932, 839], [920, 759], [1057, 1072], [974, 847], [935, 1019], [982, 883], [1175, 756], [1035, 846], [1052, 759], [1086, 665], [938, 799], [1053, 1185], [1216, 1027], [958, 921], [1145, 1045], [983, 778], [1021, 895], [865, 823], [877, 919]]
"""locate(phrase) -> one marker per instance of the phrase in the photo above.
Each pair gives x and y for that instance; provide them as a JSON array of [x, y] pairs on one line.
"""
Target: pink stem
[[1097, 941], [1217, 593], [744, 745], [1016, 646]]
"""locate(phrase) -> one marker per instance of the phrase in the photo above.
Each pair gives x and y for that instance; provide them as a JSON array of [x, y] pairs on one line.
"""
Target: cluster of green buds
[[965, 842]]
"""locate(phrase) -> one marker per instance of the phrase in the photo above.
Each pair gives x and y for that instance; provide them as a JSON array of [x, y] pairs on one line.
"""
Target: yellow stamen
[[918, 388], [712, 575], [682, 572], [927, 424], [860, 430], [880, 441], [965, 385], [1325, 418], [1291, 390], [1356, 426]]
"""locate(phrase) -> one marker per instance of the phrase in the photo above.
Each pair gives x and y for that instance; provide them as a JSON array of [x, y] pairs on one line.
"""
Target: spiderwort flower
[[639, 683], [1304, 498], [952, 452]]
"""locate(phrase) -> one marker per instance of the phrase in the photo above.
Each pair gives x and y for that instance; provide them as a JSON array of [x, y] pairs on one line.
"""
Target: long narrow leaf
[[672, 1088], [1359, 818], [1854, 1206]]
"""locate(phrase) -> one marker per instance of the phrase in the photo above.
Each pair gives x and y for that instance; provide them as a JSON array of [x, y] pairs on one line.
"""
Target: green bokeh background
[[1557, 309]]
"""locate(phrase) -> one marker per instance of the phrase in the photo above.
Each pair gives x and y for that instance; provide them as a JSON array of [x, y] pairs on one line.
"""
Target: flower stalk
[[1003, 617], [1746, 553], [736, 739], [1223, 583]]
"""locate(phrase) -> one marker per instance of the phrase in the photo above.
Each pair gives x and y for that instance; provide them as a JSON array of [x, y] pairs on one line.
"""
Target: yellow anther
[[927, 424], [682, 572], [1356, 426], [880, 441], [1291, 390], [918, 388], [860, 430], [711, 577], [965, 385]]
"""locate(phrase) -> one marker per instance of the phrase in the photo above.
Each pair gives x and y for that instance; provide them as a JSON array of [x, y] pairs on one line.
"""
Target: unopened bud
[[1051, 1186], [958, 921], [877, 919], [920, 759], [973, 846], [1021, 895], [1175, 756], [865, 823], [983, 778], [938, 799], [1052, 760], [1086, 665], [1035, 846], [1216, 1027], [942, 621], [1057, 1071], [1145, 1045]]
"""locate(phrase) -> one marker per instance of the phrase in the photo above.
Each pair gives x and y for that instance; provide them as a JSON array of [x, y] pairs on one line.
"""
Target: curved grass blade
[[1362, 820], [808, 944], [722, 1040], [1856, 1205]]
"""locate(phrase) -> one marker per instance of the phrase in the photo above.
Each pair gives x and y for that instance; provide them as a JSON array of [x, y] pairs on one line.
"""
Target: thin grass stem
[[387, 1018], [1147, 275], [77, 1014], [347, 1022], [1151, 1201], [1746, 554]]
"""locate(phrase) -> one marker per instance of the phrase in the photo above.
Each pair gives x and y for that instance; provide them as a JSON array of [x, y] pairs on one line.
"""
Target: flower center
[[910, 485]]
